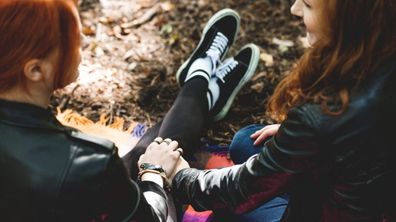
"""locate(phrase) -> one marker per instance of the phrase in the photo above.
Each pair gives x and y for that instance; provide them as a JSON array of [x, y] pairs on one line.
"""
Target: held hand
[[265, 132], [181, 164], [162, 152]]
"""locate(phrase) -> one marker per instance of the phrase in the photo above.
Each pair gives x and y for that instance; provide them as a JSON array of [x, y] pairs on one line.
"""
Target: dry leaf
[[258, 87], [167, 6], [88, 31], [283, 45], [267, 58], [147, 16], [280, 42], [258, 76]]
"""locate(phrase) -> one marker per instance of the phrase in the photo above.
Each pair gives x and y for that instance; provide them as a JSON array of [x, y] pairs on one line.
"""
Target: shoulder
[[85, 151], [301, 125], [89, 140], [88, 151], [310, 120], [308, 114]]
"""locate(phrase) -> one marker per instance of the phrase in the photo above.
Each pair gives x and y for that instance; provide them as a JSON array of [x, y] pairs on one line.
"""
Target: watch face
[[149, 166]]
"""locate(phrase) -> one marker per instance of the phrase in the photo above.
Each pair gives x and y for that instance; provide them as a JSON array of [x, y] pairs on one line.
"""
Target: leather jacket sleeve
[[240, 188], [153, 203], [142, 201]]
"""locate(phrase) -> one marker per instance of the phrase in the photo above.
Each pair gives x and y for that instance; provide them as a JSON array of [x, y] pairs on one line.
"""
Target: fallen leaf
[[286, 43], [105, 20], [147, 16], [258, 87], [166, 29], [258, 76], [283, 45], [88, 31], [267, 58], [167, 6]]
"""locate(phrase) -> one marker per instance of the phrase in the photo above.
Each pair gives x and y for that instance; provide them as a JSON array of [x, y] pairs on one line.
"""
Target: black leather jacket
[[335, 168], [54, 173]]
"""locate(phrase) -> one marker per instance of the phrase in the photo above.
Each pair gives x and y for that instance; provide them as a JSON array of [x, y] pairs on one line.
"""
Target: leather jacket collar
[[27, 115]]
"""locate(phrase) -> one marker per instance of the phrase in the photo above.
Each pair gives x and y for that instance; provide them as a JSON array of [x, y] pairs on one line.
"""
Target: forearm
[[238, 188], [200, 188], [292, 152], [153, 203]]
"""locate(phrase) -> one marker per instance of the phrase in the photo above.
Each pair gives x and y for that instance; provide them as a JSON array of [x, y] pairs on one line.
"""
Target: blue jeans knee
[[241, 147]]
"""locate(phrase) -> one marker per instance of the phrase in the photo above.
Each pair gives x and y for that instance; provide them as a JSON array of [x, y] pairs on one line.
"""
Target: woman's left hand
[[265, 132], [162, 152]]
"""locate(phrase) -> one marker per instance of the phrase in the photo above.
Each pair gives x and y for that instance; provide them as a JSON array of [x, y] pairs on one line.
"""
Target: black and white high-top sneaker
[[229, 78], [217, 37]]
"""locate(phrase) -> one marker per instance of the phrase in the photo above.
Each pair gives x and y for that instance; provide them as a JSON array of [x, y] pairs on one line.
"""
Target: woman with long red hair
[[332, 157]]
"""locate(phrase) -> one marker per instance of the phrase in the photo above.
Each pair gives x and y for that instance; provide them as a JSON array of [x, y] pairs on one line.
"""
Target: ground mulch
[[134, 49]]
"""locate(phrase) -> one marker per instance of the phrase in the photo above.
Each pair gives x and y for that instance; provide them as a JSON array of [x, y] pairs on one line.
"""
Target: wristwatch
[[150, 166], [154, 168]]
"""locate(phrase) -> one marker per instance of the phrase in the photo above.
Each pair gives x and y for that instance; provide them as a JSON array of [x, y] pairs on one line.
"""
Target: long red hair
[[33, 29], [359, 37]]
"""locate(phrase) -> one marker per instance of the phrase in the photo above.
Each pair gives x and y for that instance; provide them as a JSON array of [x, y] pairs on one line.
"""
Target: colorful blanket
[[216, 157]]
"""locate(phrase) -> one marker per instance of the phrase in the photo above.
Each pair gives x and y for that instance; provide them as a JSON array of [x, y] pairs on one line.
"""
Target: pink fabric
[[193, 216]]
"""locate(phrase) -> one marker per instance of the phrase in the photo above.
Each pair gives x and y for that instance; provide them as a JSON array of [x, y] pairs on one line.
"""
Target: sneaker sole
[[248, 75], [220, 14]]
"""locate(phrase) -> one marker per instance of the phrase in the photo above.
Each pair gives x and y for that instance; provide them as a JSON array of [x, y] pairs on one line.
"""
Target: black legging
[[184, 123]]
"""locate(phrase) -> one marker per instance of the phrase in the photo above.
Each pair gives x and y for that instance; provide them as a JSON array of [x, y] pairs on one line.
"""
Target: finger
[[179, 150], [152, 145], [158, 140], [270, 128], [266, 133], [261, 138], [258, 141], [167, 141], [256, 134], [175, 156], [140, 160], [173, 145]]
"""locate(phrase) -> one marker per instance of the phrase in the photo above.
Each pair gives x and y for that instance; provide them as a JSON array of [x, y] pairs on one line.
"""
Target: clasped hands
[[166, 153]]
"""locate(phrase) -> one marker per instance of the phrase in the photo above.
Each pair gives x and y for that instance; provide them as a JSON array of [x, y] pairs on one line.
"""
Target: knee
[[241, 141]]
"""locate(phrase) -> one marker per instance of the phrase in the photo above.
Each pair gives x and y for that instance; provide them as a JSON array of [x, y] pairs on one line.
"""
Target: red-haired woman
[[334, 152], [50, 172]]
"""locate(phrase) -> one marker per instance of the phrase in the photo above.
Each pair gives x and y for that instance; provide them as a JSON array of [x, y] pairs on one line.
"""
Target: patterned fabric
[[218, 159], [139, 130]]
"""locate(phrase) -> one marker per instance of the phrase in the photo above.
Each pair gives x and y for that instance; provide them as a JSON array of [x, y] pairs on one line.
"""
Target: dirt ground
[[134, 48]]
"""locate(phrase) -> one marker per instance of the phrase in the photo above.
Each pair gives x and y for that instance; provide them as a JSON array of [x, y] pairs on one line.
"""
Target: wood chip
[[267, 58], [147, 16]]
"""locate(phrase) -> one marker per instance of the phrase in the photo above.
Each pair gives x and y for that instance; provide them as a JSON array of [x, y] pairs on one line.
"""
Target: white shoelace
[[225, 68], [217, 48]]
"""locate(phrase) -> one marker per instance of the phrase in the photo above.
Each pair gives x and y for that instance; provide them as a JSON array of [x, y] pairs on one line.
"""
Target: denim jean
[[241, 148]]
